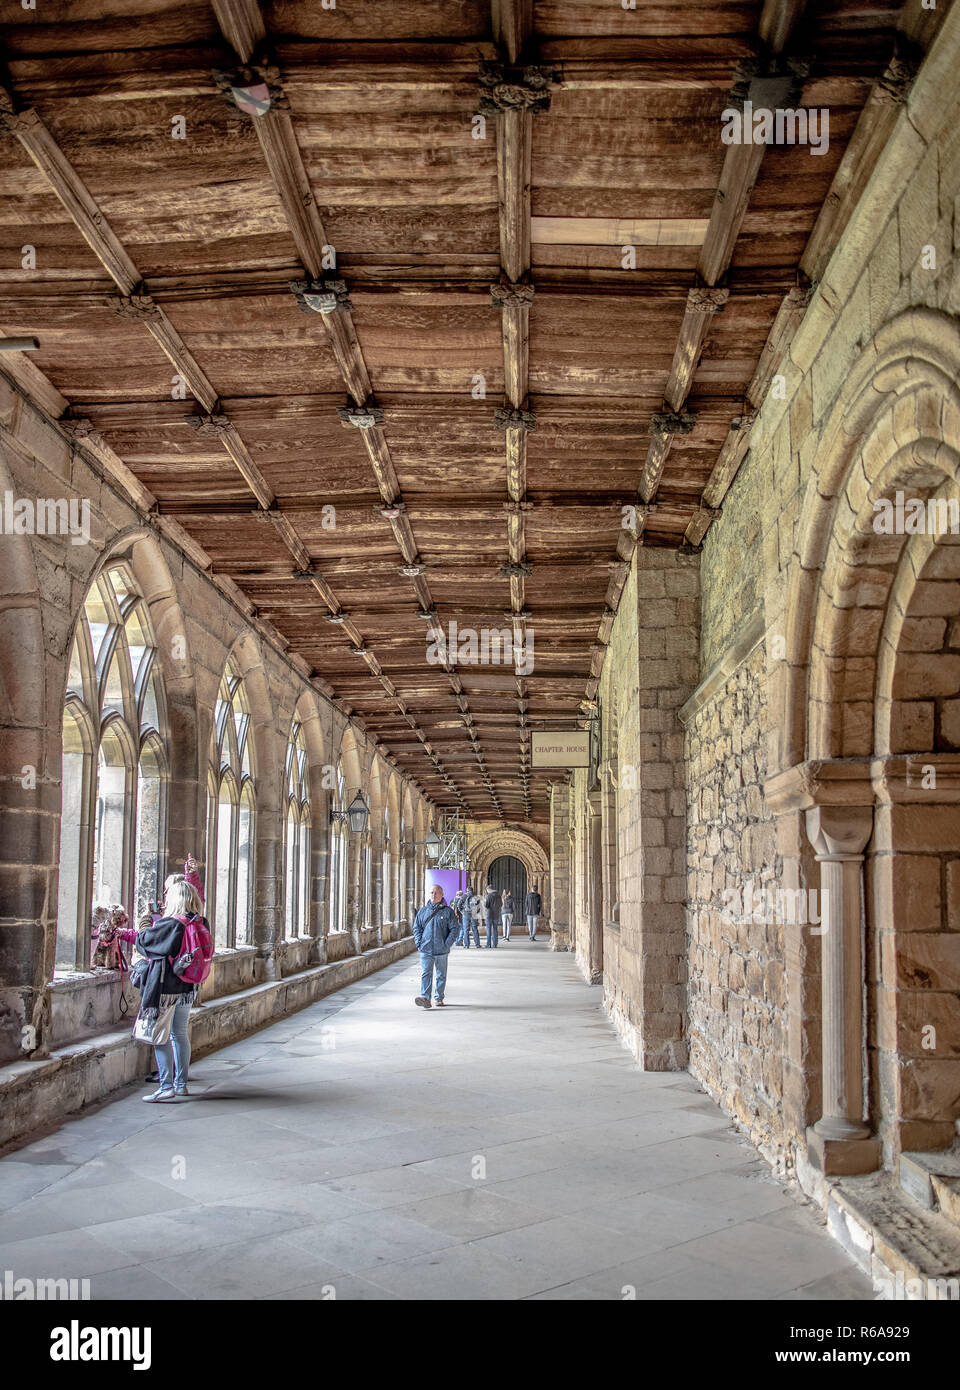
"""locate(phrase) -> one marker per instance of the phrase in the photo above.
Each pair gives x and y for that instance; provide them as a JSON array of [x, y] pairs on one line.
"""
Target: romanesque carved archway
[[523, 847], [861, 756]]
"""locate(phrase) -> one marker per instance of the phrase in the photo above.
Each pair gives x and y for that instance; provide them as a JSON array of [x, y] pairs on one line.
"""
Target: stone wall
[[627, 831], [737, 1001], [824, 711]]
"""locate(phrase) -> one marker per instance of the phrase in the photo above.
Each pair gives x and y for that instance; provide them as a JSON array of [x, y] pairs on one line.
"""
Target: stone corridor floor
[[504, 1148]]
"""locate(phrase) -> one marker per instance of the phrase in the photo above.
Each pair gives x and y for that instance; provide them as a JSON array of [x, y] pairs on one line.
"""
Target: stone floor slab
[[506, 1148]]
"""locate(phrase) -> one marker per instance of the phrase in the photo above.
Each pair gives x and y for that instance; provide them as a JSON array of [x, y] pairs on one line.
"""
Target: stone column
[[594, 869], [840, 1142], [354, 870], [559, 866]]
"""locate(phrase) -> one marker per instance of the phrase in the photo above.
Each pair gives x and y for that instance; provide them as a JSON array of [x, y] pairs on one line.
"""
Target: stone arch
[[353, 763], [247, 654], [899, 406], [512, 842], [892, 430]]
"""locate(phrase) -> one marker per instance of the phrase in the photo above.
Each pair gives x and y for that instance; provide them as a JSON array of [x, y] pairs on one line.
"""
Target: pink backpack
[[192, 965]]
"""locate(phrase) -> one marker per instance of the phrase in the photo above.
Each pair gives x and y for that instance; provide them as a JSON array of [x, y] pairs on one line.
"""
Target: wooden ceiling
[[162, 304]]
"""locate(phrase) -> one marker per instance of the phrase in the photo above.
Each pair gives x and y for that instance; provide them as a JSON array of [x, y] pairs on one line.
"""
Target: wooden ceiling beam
[[512, 23], [778, 23], [89, 220], [133, 303], [240, 21], [873, 130], [372, 283]]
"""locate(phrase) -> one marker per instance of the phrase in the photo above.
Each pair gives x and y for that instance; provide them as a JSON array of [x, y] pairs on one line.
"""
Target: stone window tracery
[[114, 764], [298, 836], [231, 814]]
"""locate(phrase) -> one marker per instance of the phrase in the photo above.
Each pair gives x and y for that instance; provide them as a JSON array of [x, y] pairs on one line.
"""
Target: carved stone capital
[[839, 832]]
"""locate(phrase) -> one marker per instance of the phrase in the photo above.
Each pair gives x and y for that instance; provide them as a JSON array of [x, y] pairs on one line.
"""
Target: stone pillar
[[268, 892], [594, 870], [611, 874], [559, 867], [375, 903], [354, 869], [840, 1142], [653, 938]]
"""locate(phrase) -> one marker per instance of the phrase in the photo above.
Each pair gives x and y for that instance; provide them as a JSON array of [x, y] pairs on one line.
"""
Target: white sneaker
[[181, 1092], [159, 1097]]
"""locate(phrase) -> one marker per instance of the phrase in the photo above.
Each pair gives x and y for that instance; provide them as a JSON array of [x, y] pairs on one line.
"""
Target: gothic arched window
[[114, 765], [297, 837], [231, 801], [338, 857]]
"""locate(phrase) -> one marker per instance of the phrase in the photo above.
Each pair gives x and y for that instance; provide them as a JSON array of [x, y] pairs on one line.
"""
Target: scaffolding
[[452, 829]]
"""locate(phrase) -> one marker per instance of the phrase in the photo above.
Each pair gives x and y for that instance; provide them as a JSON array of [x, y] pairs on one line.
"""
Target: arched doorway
[[508, 872]]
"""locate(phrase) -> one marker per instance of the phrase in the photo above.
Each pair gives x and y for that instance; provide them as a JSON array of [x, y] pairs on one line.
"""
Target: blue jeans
[[173, 1059], [428, 964], [492, 930], [470, 925]]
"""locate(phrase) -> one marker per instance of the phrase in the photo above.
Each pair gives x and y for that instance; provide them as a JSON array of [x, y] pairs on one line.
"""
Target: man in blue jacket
[[435, 929]]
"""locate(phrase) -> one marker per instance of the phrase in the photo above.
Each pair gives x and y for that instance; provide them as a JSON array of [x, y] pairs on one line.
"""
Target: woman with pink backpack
[[177, 949]]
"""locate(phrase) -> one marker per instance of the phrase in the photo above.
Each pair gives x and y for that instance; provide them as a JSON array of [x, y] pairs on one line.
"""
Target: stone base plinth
[[843, 1157]]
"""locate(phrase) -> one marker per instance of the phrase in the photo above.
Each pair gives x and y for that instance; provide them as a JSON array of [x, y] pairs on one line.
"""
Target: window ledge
[[78, 979], [225, 952]]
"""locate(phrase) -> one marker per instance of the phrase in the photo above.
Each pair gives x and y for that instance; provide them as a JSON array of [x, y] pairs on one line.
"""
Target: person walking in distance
[[435, 929], [470, 914], [457, 905], [491, 908], [532, 907], [506, 913]]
